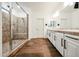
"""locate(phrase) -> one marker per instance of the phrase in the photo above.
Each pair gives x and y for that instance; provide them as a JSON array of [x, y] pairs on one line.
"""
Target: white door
[[39, 28]]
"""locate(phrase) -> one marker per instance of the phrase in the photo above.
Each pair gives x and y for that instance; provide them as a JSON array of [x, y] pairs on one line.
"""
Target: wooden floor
[[38, 48]]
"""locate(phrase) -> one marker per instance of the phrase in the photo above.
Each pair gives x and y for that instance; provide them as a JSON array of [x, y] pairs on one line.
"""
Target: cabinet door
[[59, 42], [49, 35], [53, 38], [71, 49]]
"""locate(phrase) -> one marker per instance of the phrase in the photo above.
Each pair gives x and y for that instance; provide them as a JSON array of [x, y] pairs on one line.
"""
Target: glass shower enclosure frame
[[18, 31]]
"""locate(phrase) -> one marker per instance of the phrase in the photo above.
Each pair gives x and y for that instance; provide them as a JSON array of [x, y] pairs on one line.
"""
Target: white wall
[[65, 20], [34, 26], [70, 19], [75, 19], [0, 33]]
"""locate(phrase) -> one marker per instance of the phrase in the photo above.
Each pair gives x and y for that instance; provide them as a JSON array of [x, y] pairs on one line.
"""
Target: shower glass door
[[18, 25], [14, 27]]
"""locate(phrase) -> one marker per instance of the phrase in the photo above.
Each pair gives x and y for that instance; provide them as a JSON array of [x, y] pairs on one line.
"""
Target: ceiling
[[42, 7], [17, 11]]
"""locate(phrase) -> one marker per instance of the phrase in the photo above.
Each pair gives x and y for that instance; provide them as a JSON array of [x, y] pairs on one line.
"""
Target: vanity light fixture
[[76, 6]]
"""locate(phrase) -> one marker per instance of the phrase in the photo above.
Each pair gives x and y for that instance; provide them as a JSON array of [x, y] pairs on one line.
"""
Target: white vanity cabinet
[[66, 44], [59, 42], [71, 47], [51, 36]]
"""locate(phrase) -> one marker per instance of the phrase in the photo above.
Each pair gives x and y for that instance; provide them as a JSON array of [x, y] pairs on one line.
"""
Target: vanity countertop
[[68, 31]]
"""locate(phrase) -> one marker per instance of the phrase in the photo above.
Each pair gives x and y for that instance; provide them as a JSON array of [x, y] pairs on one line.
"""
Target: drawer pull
[[64, 44], [54, 37], [61, 41]]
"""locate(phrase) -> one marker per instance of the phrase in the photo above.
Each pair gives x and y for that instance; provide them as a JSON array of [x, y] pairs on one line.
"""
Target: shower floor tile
[[6, 46]]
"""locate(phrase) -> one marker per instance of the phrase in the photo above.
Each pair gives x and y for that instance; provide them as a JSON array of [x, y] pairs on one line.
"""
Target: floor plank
[[38, 48]]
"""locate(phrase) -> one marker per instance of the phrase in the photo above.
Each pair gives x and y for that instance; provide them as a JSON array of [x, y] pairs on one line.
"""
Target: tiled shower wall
[[6, 30], [19, 27], [5, 27]]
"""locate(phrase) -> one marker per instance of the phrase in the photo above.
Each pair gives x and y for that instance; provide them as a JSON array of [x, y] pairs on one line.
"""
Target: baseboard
[[39, 38]]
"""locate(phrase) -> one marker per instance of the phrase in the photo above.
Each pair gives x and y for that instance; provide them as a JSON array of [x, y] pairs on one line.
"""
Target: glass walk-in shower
[[14, 26]]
